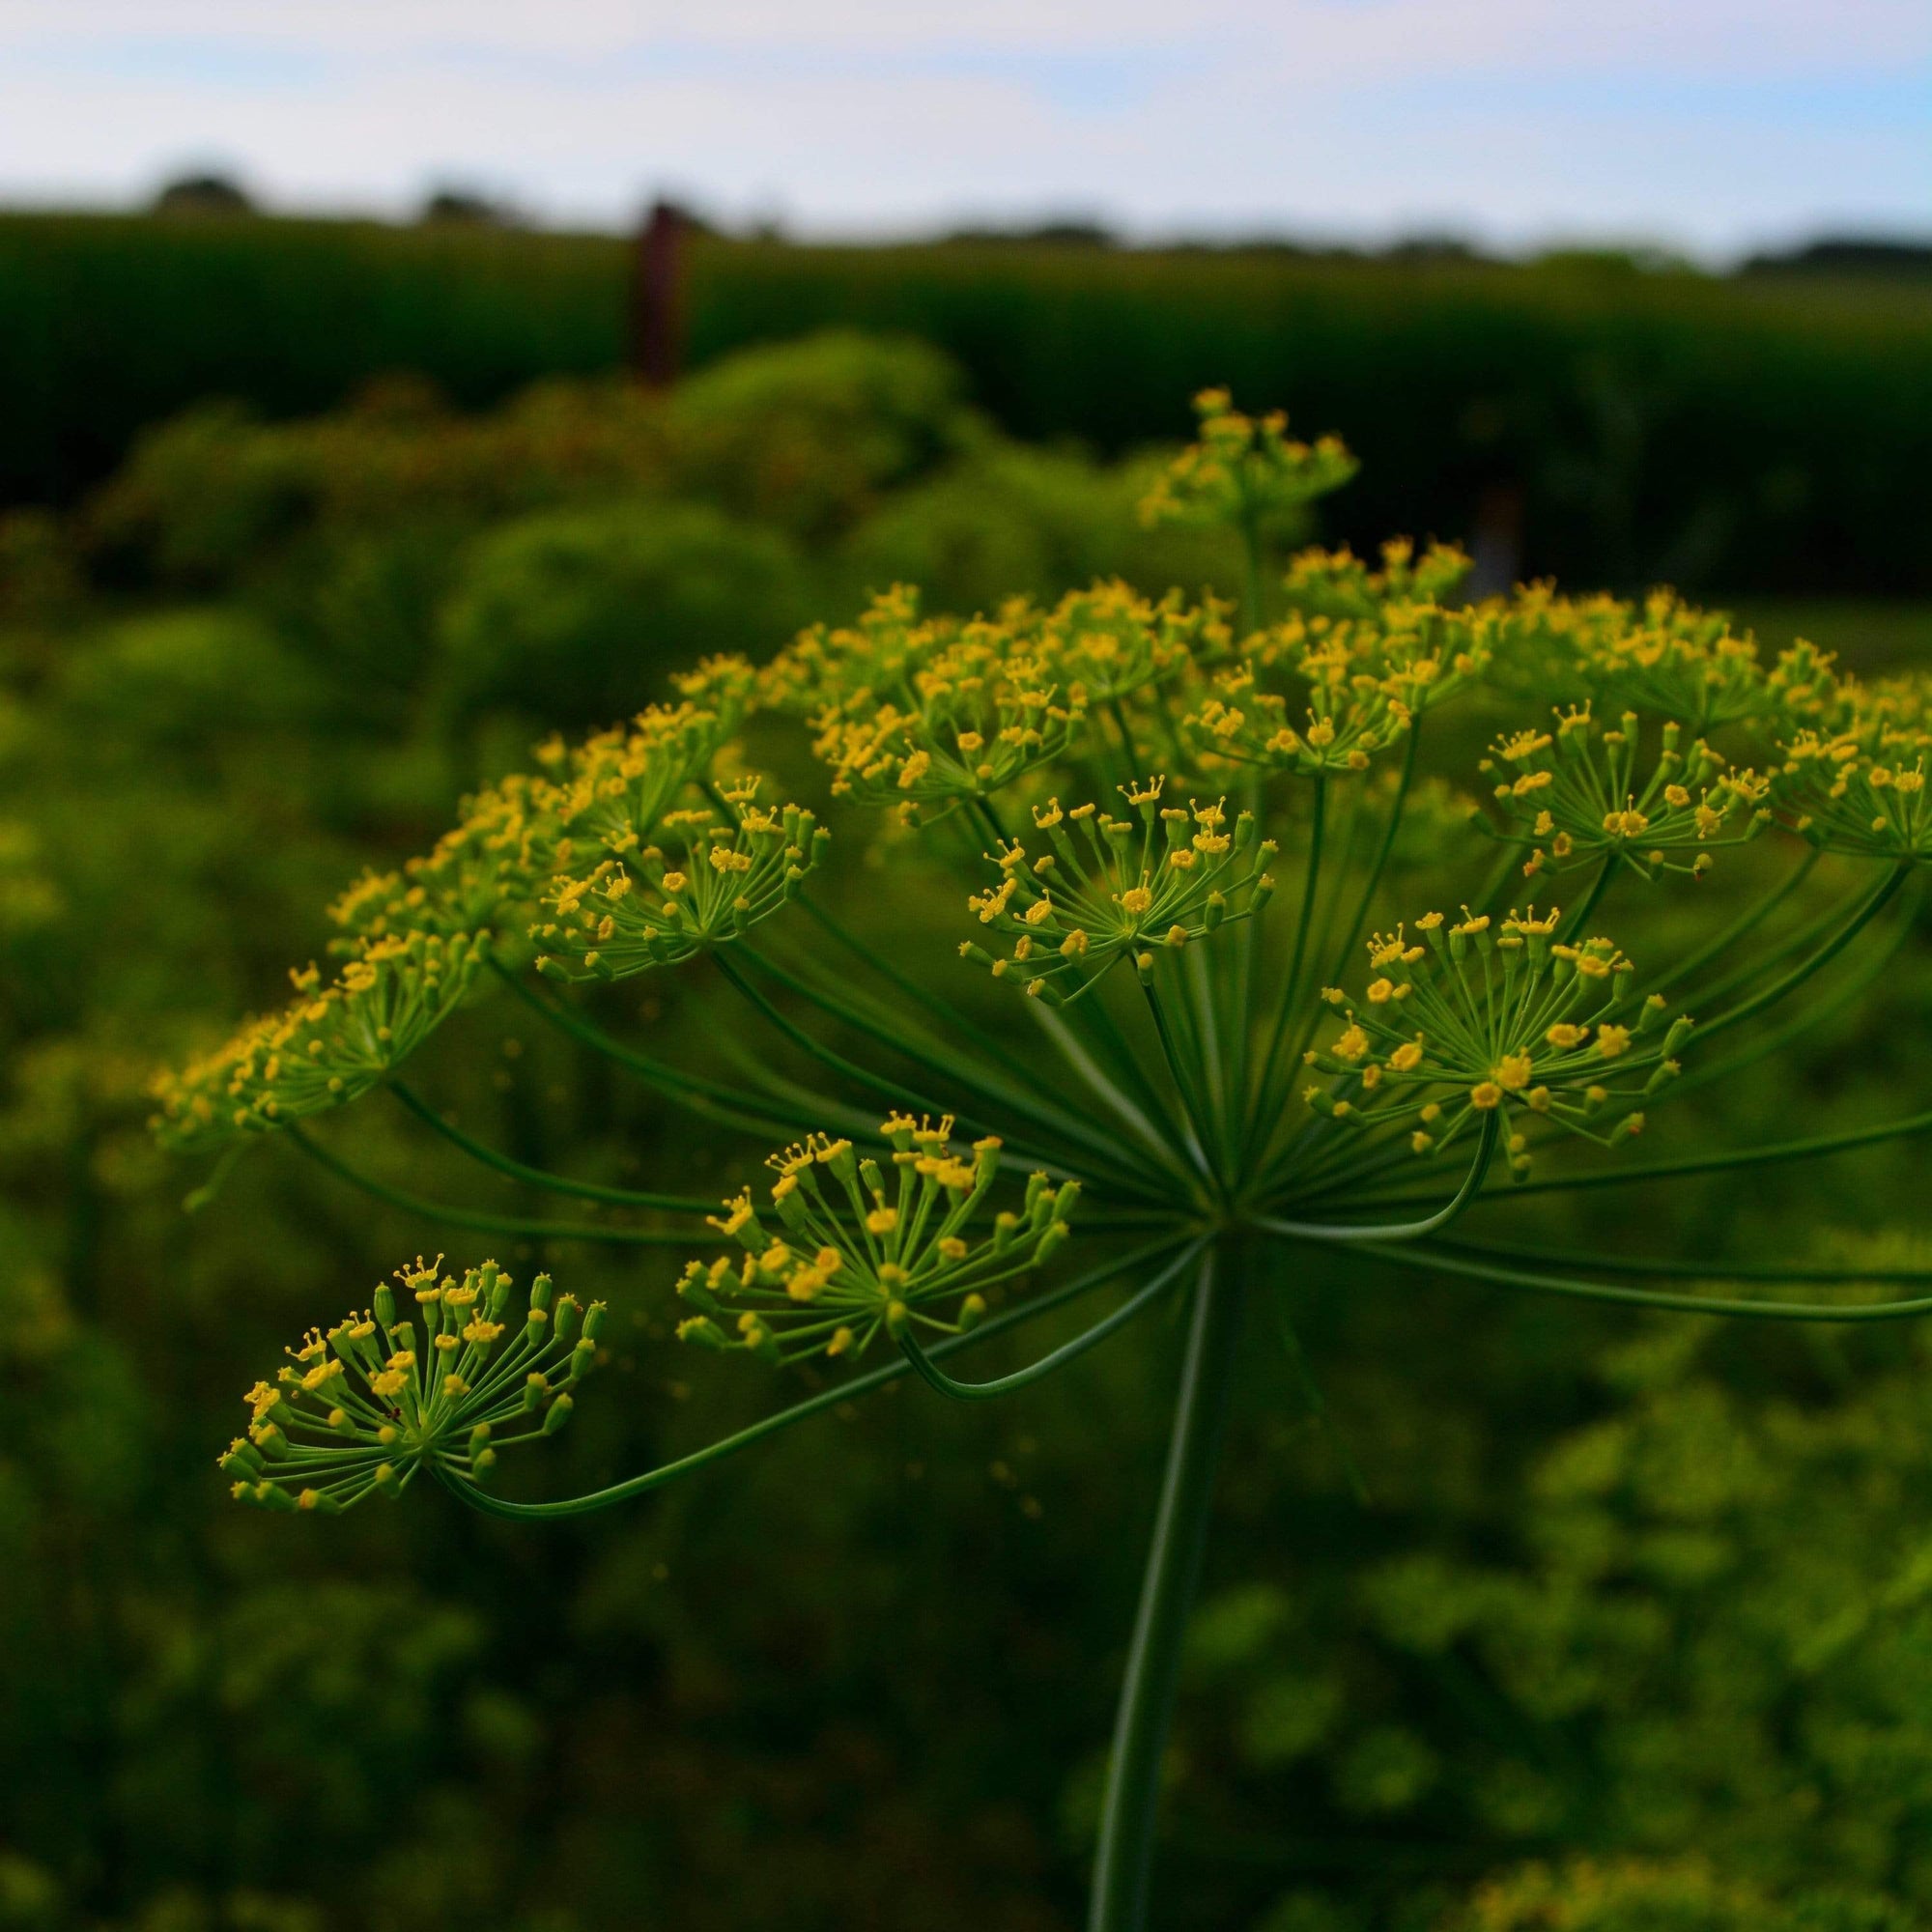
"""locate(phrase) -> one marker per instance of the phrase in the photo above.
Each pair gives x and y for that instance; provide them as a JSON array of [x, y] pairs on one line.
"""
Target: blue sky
[[1711, 126]]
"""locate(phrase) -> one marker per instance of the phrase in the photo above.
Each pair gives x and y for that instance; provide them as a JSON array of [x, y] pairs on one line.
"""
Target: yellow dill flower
[[709, 878], [1108, 888], [331, 1043], [1243, 468], [365, 1408], [859, 1253], [1484, 1018], [1585, 792]]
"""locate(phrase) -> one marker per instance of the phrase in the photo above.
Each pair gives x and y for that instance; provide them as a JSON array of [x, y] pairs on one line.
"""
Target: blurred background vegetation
[[1560, 1621]]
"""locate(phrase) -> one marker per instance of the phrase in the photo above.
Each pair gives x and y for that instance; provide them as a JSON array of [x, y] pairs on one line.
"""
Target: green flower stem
[[1508, 859], [1076, 1055], [1814, 1015], [1509, 1253], [538, 1176], [1741, 926], [1049, 1120], [1644, 1298], [1117, 712], [1262, 1107], [888, 1091], [1400, 1230], [1795, 941], [816, 1404], [1125, 1857], [1810, 1149], [1179, 1074], [935, 1377], [482, 1223], [1573, 926], [1803, 970], [709, 1100], [1104, 1029], [988, 813], [1364, 900], [1253, 567], [943, 1010]]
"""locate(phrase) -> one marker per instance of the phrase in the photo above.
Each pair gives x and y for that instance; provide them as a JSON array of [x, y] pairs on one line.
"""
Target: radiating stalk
[[1124, 1858]]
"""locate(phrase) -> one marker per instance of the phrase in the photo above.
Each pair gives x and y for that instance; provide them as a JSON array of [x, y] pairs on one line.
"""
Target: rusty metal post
[[656, 298]]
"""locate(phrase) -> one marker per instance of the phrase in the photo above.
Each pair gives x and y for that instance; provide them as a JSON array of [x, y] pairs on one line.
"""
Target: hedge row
[[1580, 418]]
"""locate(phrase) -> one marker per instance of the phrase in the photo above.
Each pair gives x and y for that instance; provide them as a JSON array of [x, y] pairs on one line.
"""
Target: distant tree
[[203, 194]]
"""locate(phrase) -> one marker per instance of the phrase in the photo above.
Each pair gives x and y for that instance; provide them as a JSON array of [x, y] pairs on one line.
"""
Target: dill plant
[[1270, 986]]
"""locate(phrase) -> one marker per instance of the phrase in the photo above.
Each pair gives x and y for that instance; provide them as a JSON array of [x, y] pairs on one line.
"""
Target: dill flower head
[[485, 871], [1484, 1017], [444, 1384], [1108, 643], [1244, 470], [1856, 782], [1583, 792], [331, 1044], [858, 1252], [1338, 583], [829, 665], [709, 876], [1107, 888], [974, 716]]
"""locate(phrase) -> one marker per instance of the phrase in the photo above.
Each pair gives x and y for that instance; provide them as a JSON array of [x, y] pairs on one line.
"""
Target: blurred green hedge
[[1593, 420]]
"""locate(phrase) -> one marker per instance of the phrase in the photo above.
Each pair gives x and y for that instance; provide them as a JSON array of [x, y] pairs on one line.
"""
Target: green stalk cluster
[[1297, 1051]]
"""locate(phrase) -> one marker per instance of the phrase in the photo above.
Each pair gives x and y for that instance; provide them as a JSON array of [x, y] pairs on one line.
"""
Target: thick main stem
[[1124, 1859]]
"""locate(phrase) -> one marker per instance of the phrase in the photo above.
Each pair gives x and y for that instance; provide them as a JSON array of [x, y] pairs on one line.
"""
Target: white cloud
[[1704, 124]]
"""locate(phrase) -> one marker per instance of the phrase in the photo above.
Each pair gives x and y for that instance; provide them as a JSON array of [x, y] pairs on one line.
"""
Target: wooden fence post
[[657, 296]]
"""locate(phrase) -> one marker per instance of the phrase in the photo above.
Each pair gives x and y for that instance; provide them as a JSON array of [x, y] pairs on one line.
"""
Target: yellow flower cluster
[[977, 713], [1484, 1016], [1244, 470], [1338, 583], [1109, 887], [858, 1253], [1664, 656], [643, 905], [1358, 682], [359, 1410], [1579, 794], [331, 1043]]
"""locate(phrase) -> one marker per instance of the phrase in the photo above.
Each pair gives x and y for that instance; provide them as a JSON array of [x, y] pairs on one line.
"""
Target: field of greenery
[[1519, 1615], [1633, 424]]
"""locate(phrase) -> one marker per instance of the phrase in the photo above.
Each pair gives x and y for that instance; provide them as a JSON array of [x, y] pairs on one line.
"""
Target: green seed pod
[[557, 1415]]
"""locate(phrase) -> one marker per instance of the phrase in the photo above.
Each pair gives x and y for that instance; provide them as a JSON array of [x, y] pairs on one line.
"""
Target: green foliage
[[1637, 426], [1629, 1625], [554, 615]]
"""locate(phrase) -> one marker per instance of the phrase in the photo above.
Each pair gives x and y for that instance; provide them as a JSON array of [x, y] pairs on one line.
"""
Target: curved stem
[[1398, 1231], [1124, 1859], [1825, 954], [816, 1404], [709, 1100], [1813, 1148], [1365, 901], [936, 1377], [1573, 926], [538, 1176], [1262, 1097], [486, 1224], [1645, 1297], [940, 1008], [1510, 1253], [1748, 921], [1046, 1118]]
